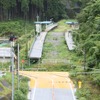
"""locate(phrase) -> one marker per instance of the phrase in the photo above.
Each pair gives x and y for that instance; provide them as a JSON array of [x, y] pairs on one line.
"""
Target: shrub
[[96, 79], [24, 88], [19, 95], [83, 94], [82, 98]]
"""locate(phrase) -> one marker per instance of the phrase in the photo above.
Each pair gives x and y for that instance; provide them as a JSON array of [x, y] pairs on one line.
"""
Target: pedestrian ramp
[[69, 40], [37, 46]]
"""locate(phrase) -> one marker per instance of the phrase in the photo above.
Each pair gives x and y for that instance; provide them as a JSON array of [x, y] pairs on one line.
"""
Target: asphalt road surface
[[50, 86]]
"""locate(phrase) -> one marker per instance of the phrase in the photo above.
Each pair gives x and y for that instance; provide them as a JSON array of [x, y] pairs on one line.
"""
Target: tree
[[89, 19]]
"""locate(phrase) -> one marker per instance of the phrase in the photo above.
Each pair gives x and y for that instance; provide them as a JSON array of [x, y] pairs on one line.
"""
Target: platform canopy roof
[[43, 22], [6, 52], [71, 22]]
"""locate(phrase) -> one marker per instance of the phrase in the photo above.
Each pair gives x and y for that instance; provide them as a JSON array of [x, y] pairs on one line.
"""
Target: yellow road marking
[[32, 83], [44, 79]]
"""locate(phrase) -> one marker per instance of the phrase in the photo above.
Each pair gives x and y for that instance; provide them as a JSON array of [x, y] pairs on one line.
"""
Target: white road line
[[52, 87], [71, 89], [33, 97], [68, 80]]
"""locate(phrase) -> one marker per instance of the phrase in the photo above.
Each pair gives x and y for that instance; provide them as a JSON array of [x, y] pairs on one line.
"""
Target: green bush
[[25, 79], [82, 98], [16, 27], [83, 94], [19, 95], [96, 79], [24, 88], [80, 77]]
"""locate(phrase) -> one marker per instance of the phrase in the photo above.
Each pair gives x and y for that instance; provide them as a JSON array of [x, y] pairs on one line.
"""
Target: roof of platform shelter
[[6, 52], [43, 22], [71, 22]]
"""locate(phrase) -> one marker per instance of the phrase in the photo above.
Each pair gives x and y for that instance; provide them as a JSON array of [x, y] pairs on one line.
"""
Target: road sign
[[23, 60]]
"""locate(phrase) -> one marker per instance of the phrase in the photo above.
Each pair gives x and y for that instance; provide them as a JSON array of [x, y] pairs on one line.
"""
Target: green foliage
[[24, 32], [38, 3], [19, 95], [24, 88], [96, 79], [25, 6], [83, 94], [7, 4], [25, 79], [46, 9], [55, 9], [89, 37], [14, 27], [4, 90]]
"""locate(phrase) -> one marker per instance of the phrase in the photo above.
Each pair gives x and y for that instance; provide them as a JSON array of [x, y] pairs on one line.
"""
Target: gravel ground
[[54, 39]]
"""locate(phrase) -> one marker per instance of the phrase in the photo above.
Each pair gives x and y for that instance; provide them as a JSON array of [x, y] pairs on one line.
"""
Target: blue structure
[[43, 22], [71, 23]]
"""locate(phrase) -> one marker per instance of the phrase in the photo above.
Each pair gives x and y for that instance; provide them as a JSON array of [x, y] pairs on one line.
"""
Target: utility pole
[[12, 64], [12, 38], [18, 66]]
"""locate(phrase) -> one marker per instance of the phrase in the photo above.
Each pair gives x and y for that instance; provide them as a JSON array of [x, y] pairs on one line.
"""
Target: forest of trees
[[88, 37], [46, 9], [31, 8]]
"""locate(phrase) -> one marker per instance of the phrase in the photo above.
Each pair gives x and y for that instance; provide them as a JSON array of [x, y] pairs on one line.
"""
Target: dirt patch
[[55, 38], [1, 89], [7, 97], [5, 83]]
